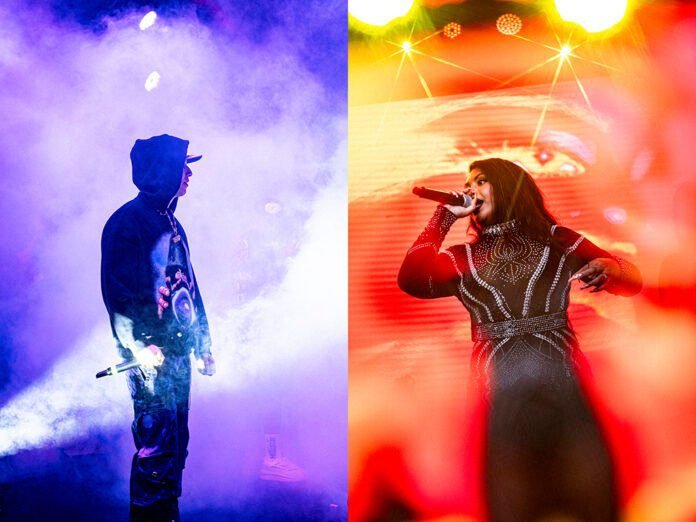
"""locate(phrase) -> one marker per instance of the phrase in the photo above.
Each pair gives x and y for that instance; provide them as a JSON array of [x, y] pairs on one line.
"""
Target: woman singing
[[545, 455]]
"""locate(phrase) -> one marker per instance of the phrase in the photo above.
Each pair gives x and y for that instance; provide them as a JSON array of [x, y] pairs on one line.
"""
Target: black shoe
[[160, 511]]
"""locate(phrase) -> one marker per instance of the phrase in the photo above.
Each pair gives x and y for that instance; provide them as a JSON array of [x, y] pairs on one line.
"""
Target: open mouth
[[479, 202]]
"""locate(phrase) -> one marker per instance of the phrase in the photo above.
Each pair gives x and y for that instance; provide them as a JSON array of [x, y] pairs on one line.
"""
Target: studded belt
[[514, 327]]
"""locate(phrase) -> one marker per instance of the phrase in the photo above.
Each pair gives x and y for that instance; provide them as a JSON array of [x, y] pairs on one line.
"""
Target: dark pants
[[545, 456], [160, 433]]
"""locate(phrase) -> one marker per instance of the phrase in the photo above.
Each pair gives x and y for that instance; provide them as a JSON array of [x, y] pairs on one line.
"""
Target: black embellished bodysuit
[[544, 449]]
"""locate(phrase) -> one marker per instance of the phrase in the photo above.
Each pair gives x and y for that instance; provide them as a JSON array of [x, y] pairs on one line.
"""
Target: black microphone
[[119, 368], [442, 197]]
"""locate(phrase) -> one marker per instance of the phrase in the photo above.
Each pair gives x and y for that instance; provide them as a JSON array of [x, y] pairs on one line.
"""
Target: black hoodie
[[141, 252]]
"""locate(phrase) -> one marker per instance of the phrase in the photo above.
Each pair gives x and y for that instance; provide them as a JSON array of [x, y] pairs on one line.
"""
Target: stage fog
[[260, 93]]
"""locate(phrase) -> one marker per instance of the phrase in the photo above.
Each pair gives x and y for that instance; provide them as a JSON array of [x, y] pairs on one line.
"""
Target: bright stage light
[[565, 51], [379, 12], [406, 46], [452, 30], [152, 81], [509, 24], [593, 15], [148, 20], [272, 207]]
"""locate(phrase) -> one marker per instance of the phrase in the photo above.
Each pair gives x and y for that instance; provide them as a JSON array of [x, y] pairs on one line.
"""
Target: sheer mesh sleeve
[[426, 273], [581, 251]]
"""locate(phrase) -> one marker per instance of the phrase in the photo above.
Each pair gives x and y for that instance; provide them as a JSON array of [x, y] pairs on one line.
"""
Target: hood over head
[[158, 165]]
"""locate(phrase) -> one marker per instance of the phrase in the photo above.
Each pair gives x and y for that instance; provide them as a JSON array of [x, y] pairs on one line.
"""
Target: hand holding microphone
[[147, 358], [461, 204], [150, 356], [468, 204]]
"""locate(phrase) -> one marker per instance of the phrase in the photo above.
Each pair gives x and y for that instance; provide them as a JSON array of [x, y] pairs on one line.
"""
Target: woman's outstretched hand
[[463, 211], [598, 273]]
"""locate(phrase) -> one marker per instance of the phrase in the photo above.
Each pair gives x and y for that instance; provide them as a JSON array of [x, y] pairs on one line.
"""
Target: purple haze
[[265, 215]]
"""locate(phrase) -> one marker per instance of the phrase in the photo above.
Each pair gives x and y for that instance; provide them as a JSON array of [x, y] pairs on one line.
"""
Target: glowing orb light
[[152, 81], [615, 215], [379, 12], [509, 24], [406, 46], [544, 156], [148, 20], [568, 169], [565, 51], [452, 30], [272, 207], [593, 15]]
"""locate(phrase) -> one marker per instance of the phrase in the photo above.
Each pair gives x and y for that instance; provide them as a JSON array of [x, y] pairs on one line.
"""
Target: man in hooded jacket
[[157, 316]]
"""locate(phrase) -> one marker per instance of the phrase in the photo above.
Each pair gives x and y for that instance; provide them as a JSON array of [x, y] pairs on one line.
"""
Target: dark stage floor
[[55, 486]]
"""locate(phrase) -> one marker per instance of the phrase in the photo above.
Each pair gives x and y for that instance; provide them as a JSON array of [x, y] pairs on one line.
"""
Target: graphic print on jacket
[[170, 260]]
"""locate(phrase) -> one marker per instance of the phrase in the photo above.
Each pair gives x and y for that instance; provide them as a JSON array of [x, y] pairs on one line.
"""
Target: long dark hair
[[516, 196]]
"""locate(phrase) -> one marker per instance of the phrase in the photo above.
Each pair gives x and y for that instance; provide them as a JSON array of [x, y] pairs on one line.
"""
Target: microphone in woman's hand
[[442, 197]]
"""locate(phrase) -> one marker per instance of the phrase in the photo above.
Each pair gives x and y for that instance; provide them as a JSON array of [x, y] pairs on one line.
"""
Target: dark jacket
[[140, 253]]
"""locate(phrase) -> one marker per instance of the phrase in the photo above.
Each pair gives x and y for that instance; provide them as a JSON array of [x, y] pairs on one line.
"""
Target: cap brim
[[193, 158]]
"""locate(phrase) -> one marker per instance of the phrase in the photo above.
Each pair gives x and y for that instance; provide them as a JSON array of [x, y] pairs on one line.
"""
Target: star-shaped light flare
[[563, 54], [407, 49]]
